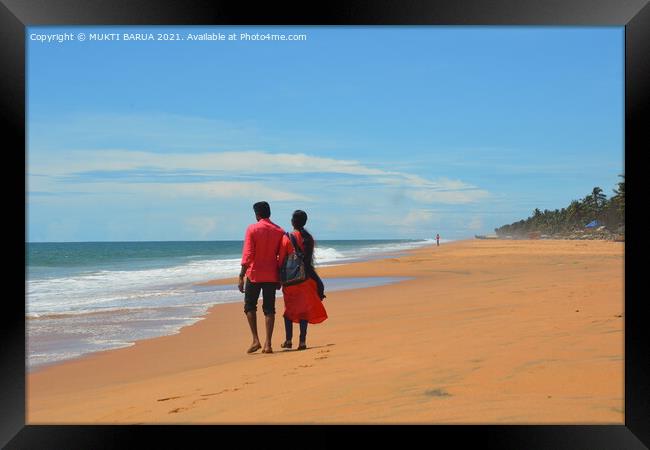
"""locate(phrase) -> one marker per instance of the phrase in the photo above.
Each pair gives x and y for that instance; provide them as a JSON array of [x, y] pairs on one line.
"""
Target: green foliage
[[594, 206]]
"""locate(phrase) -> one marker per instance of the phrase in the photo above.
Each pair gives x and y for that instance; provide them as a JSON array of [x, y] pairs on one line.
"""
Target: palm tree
[[593, 206], [620, 197], [598, 198], [574, 213], [535, 219]]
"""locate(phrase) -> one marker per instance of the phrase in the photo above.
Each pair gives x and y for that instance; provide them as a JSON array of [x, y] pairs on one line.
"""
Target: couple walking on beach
[[266, 250]]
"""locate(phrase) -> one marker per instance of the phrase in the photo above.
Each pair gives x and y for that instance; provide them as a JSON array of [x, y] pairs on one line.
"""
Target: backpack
[[293, 270]]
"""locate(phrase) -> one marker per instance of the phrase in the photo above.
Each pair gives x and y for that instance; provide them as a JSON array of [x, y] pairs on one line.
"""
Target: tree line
[[594, 206]]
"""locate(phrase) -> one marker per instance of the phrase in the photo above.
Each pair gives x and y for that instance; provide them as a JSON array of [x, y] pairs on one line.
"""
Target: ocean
[[84, 297]]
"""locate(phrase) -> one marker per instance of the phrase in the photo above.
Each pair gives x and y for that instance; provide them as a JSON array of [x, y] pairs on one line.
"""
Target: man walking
[[259, 264], [437, 240]]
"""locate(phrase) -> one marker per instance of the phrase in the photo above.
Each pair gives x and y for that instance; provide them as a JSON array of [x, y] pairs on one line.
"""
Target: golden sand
[[519, 332]]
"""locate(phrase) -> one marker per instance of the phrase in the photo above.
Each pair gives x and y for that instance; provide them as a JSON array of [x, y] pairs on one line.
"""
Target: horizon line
[[215, 240]]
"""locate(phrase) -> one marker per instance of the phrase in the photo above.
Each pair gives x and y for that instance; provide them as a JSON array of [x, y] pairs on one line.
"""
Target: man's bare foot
[[286, 344], [302, 346], [253, 348], [267, 350]]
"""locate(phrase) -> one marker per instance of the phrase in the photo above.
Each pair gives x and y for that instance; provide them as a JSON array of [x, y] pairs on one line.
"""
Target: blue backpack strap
[[296, 248]]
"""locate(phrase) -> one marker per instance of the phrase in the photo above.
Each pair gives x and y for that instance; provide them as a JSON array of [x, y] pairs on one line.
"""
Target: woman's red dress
[[301, 301]]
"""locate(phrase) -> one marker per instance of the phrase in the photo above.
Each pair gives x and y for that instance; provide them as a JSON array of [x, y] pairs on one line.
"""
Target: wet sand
[[520, 332]]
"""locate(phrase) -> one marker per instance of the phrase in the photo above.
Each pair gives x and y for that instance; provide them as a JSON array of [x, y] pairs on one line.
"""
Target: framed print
[[359, 217]]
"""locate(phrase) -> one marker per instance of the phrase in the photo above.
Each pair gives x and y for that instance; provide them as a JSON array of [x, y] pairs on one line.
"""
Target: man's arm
[[242, 273], [248, 253]]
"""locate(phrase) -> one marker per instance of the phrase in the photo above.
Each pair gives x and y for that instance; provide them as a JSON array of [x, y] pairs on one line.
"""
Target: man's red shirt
[[260, 253]]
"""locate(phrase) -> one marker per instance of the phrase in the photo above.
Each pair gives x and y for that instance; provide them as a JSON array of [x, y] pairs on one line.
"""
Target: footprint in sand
[[221, 392], [176, 410], [305, 365], [323, 351], [214, 393], [437, 393], [321, 357], [168, 398]]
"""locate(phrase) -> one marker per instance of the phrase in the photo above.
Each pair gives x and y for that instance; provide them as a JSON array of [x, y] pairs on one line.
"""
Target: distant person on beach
[[303, 301], [259, 264], [437, 240]]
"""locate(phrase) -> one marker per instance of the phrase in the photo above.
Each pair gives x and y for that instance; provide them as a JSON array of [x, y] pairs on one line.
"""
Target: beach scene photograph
[[324, 225]]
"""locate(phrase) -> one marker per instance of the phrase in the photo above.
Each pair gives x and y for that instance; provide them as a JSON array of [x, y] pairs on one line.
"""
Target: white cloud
[[475, 223], [250, 163], [417, 218], [201, 226], [208, 190], [162, 130], [450, 197], [227, 189], [413, 219]]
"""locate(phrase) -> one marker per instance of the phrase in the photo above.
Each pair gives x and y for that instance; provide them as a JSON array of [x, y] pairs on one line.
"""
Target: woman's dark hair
[[298, 220]]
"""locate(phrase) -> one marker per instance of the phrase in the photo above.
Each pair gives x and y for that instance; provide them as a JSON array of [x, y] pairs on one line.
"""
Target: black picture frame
[[15, 15]]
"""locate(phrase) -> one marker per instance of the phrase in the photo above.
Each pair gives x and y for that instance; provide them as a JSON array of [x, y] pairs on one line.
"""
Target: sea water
[[85, 297]]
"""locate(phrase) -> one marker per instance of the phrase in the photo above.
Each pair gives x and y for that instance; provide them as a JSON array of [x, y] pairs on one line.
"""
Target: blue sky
[[376, 132]]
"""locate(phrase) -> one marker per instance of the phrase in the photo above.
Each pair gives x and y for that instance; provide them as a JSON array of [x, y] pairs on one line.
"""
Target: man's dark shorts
[[252, 294]]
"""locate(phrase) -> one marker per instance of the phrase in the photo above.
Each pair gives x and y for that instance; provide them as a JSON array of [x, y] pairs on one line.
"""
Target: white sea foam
[[106, 289], [327, 254], [92, 311], [102, 290]]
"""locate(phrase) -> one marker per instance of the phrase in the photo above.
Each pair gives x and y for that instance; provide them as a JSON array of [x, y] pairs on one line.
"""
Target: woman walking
[[303, 301]]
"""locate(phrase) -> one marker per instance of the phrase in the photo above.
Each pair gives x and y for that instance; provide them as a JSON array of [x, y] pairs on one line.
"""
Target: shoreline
[[215, 282], [207, 360], [326, 267], [210, 310]]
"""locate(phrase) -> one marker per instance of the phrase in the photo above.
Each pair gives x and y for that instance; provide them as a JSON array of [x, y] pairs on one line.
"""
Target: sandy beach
[[483, 332]]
